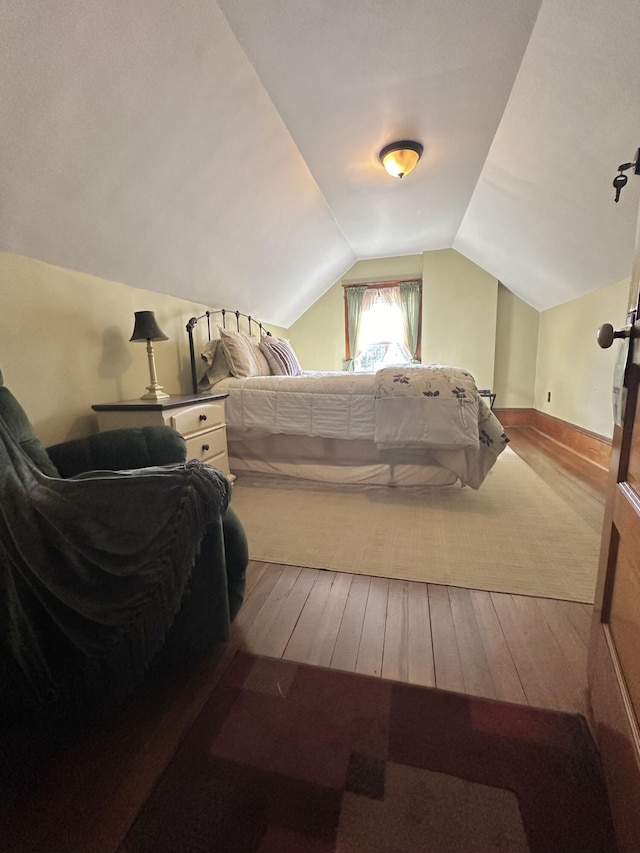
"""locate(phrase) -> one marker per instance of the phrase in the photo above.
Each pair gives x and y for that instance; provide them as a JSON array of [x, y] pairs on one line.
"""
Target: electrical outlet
[[548, 396]]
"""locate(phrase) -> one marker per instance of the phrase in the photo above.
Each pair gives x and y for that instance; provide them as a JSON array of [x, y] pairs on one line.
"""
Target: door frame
[[614, 719]]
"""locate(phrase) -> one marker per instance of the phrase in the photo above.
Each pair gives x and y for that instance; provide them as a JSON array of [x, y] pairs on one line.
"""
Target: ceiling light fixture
[[400, 158]]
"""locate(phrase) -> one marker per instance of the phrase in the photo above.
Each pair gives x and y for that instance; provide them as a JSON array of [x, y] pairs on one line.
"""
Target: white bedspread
[[435, 409], [326, 405]]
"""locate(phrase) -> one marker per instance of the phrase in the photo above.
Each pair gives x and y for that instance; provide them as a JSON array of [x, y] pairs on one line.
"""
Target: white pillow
[[216, 367], [243, 354]]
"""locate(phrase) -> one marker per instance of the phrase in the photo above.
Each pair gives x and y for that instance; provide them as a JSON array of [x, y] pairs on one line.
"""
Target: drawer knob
[[205, 446], [203, 417]]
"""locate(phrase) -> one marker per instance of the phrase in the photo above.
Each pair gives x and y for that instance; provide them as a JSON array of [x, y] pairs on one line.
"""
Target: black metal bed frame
[[193, 322]]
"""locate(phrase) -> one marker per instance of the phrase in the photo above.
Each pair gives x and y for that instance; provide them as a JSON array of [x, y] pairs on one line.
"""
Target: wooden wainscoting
[[515, 417], [589, 445]]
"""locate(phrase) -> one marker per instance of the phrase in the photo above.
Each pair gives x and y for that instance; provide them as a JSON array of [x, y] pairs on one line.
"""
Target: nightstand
[[197, 417]]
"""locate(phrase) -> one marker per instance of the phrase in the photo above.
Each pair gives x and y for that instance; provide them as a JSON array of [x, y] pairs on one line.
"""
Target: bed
[[402, 425]]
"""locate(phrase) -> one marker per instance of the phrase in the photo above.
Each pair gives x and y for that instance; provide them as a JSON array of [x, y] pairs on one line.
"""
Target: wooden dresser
[[197, 417]]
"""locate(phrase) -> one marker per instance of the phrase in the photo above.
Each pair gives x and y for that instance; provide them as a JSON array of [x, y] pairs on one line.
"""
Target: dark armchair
[[60, 643]]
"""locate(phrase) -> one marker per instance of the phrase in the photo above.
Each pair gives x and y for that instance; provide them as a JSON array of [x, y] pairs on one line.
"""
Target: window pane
[[382, 322], [381, 355]]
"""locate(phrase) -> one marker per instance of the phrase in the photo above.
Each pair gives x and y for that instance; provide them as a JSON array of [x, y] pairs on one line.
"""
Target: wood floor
[[515, 648], [509, 647]]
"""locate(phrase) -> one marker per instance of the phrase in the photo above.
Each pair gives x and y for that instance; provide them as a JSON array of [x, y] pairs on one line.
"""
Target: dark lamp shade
[[146, 328]]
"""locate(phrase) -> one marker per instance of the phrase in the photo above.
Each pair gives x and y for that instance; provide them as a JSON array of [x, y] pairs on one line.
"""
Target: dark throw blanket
[[93, 572]]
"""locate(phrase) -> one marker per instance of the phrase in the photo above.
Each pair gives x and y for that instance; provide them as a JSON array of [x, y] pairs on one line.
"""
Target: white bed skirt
[[333, 460]]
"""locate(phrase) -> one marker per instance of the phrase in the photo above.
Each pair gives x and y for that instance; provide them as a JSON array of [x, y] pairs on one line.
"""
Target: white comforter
[[428, 407], [327, 405]]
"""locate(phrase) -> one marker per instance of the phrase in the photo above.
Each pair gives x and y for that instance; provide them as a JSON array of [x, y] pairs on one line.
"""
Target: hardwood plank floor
[[420, 647], [395, 654], [476, 671], [510, 647], [504, 674], [514, 648], [345, 653]]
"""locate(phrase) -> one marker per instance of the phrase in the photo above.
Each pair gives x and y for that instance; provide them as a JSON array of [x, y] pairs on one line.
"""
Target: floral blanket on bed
[[433, 406]]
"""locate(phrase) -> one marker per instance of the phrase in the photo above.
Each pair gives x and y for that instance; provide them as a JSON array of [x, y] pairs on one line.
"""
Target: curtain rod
[[383, 283]]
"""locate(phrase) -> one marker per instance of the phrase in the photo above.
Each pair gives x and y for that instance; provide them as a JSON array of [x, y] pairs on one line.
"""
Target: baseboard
[[515, 417], [596, 448]]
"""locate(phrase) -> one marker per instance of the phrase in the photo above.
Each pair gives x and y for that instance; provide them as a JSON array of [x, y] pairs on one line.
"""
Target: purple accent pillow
[[281, 357]]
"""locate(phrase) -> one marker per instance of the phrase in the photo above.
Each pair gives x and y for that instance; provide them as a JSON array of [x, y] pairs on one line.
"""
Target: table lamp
[[146, 329]]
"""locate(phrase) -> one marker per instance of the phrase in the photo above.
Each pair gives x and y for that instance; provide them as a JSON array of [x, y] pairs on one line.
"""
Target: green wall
[[516, 348], [572, 367], [64, 344], [64, 339], [459, 303], [318, 335], [458, 313], [472, 321]]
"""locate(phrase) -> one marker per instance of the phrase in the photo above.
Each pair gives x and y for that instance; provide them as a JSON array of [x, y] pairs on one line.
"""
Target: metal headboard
[[223, 312]]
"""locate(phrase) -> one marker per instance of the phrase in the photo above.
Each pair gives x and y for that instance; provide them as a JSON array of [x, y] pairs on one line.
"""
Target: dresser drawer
[[209, 446], [197, 418]]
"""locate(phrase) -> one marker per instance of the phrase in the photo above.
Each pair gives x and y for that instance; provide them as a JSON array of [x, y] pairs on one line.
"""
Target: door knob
[[606, 334]]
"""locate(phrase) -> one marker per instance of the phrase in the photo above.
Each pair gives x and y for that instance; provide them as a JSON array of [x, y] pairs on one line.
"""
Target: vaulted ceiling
[[227, 152]]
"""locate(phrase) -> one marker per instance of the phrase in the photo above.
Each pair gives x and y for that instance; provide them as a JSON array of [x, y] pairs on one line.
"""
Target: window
[[382, 324], [382, 339]]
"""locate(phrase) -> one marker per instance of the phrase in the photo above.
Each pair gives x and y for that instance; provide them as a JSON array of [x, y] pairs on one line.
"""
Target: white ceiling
[[227, 152]]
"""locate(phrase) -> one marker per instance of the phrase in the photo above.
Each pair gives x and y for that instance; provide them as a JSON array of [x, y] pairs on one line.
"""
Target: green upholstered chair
[[215, 588]]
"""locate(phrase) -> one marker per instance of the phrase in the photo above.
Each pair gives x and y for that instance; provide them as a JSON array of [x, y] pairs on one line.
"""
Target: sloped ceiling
[[227, 153]]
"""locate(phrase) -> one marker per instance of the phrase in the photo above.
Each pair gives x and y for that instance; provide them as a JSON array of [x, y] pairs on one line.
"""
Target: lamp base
[[155, 392]]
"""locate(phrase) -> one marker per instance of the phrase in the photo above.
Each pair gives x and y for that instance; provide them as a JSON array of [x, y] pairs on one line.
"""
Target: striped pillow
[[281, 357]]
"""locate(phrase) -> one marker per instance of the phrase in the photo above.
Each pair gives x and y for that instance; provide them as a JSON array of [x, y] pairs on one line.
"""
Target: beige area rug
[[513, 535]]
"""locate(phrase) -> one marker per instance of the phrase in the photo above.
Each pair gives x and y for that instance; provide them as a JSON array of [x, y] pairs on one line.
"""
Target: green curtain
[[354, 297], [410, 305]]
